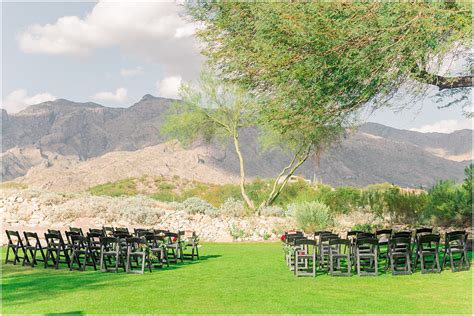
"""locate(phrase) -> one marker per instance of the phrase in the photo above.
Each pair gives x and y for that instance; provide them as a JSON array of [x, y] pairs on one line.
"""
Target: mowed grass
[[230, 278]]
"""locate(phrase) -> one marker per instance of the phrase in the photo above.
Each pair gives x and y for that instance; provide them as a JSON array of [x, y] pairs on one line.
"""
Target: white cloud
[[444, 126], [120, 95], [169, 87], [18, 100], [131, 72], [156, 31]]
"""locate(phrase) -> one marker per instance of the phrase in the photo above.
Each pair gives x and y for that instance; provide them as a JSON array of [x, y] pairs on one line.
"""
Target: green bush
[[124, 187], [368, 228], [405, 208], [449, 204], [311, 216]]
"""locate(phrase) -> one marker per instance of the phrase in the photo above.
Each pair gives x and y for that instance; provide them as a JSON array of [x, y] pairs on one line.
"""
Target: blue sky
[[114, 53]]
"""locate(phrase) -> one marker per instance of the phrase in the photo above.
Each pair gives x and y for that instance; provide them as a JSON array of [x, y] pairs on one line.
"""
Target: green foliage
[[448, 204], [342, 199], [467, 185], [311, 216], [122, 187], [319, 61], [368, 228], [405, 207]]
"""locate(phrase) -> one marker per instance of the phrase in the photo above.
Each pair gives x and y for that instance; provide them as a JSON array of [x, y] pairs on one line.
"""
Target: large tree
[[320, 61]]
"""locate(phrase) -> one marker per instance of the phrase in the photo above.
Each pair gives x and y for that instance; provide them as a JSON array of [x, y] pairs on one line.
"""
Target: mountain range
[[65, 145]]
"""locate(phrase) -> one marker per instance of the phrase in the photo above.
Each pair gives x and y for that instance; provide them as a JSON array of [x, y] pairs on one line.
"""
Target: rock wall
[[28, 210]]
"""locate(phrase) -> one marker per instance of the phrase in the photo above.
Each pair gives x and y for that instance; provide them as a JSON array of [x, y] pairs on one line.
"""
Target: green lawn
[[230, 278]]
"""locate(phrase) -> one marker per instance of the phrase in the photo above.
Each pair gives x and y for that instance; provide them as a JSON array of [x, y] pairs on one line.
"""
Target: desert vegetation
[[445, 204]]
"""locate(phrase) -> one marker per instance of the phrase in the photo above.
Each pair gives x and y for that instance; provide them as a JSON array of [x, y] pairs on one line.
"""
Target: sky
[[113, 53]]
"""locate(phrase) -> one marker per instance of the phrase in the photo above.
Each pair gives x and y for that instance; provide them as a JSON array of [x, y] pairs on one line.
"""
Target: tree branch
[[443, 82]]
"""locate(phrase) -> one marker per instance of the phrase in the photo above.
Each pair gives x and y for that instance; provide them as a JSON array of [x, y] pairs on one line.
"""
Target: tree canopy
[[321, 61]]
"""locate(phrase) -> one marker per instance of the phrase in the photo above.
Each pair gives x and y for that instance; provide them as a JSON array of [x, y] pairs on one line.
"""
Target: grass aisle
[[230, 278]]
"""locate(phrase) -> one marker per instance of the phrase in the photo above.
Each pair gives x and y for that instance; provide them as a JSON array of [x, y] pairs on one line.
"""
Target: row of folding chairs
[[110, 248], [403, 252]]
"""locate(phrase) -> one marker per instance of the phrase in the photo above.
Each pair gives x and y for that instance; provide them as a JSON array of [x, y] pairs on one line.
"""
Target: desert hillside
[[64, 145]]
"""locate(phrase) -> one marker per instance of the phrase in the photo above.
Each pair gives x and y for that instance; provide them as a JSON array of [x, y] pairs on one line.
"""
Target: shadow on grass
[[66, 313], [24, 284]]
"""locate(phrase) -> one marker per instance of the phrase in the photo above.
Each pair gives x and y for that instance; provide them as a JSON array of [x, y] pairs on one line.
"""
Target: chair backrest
[[383, 232], [110, 243], [144, 233], [399, 243], [141, 232], [79, 242], [94, 238], [353, 232], [108, 230], [96, 231], [133, 241], [154, 240], [32, 239], [121, 234], [160, 231], [326, 238], [339, 241], [76, 230], [58, 233], [427, 241], [54, 240], [320, 232], [300, 242], [69, 235], [402, 234], [13, 237], [368, 242], [457, 236], [122, 230], [423, 231], [365, 235]]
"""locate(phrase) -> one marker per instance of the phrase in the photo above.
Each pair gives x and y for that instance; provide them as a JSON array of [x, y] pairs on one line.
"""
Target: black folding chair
[[93, 239], [111, 251], [427, 251], [455, 244], [174, 247], [192, 242], [108, 231], [339, 251], [158, 253], [399, 255], [383, 236], [55, 250], [33, 246], [81, 247], [15, 244], [76, 230], [122, 230], [366, 256], [136, 252], [323, 249], [97, 231], [305, 257]]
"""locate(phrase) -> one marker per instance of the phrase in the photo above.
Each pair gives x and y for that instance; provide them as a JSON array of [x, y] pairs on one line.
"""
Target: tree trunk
[[276, 192], [247, 200]]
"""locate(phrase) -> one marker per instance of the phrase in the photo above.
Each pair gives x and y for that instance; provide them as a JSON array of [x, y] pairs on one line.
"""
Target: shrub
[[311, 216], [448, 204], [406, 208], [237, 232], [232, 207], [273, 210], [124, 187], [195, 205], [368, 228]]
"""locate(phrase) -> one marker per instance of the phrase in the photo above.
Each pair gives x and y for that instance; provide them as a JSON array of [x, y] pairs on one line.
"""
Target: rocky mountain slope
[[63, 144]]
